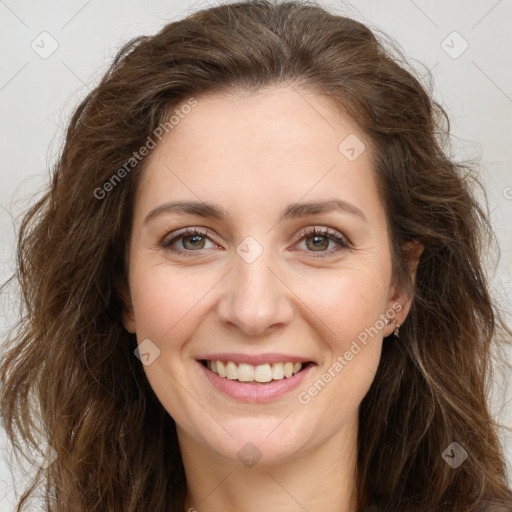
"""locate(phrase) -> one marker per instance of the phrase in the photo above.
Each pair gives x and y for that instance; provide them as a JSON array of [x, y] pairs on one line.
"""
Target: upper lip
[[255, 359]]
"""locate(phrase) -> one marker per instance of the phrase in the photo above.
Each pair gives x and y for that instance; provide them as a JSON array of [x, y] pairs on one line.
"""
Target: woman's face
[[260, 290]]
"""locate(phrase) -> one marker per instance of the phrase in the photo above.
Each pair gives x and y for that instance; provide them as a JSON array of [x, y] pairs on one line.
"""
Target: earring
[[397, 330]]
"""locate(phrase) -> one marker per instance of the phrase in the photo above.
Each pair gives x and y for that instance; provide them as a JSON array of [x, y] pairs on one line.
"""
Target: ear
[[400, 300], [128, 316]]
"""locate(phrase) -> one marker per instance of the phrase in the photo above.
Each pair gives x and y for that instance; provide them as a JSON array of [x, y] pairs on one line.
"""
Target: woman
[[187, 347]]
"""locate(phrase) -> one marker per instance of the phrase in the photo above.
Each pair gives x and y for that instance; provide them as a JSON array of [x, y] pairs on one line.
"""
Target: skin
[[254, 154]]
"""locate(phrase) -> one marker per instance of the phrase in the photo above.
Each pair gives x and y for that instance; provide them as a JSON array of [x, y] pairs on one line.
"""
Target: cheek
[[351, 308], [165, 298], [347, 302]]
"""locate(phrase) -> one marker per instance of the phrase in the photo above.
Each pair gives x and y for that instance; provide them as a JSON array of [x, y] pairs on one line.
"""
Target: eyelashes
[[195, 234], [328, 234], [184, 233]]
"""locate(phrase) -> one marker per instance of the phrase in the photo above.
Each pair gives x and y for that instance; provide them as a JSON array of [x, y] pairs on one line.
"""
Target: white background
[[38, 94]]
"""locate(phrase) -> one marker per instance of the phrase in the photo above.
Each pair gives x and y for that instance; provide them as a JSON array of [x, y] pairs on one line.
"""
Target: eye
[[193, 240], [320, 238], [191, 237]]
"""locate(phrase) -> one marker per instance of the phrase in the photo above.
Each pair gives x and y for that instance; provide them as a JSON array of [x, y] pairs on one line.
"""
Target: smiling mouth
[[260, 374]]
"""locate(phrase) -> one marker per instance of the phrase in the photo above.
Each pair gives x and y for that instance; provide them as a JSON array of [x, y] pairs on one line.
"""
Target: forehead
[[280, 143], [284, 119]]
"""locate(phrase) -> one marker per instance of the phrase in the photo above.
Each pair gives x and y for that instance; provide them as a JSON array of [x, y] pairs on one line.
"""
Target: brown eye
[[192, 240], [196, 241], [317, 240]]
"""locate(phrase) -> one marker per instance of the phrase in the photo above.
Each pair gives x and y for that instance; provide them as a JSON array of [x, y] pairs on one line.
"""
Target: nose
[[255, 299]]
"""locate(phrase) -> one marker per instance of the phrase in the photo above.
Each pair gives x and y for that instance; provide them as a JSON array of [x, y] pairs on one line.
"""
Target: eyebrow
[[292, 211]]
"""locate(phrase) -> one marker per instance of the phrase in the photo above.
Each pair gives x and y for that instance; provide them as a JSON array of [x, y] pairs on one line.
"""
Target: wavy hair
[[69, 374]]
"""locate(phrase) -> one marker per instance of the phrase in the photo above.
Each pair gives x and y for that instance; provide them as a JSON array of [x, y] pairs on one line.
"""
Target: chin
[[267, 441]]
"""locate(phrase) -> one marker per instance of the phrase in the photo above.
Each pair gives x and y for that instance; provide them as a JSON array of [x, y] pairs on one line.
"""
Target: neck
[[319, 478]]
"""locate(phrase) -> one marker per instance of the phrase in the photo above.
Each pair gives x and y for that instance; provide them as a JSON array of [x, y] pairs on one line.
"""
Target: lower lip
[[252, 392]]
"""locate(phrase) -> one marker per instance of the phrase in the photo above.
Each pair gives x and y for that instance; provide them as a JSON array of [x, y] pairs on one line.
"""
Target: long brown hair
[[69, 373]]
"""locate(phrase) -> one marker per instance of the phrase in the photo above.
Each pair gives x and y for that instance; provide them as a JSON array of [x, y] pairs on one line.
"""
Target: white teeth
[[288, 370], [244, 372], [263, 373], [231, 370], [221, 369], [277, 371]]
